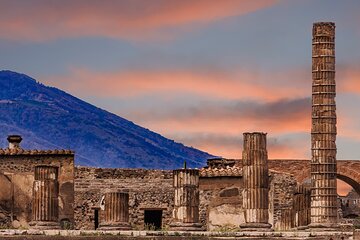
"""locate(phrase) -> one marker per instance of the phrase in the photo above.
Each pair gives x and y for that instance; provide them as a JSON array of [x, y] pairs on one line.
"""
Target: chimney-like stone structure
[[45, 203], [323, 130], [256, 182], [14, 141], [116, 211], [186, 200]]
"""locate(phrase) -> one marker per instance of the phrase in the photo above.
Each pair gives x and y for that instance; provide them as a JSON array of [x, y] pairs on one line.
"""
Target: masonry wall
[[220, 197], [17, 176], [221, 203], [148, 189], [281, 201]]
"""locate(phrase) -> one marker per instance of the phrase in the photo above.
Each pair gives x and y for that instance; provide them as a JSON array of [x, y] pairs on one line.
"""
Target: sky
[[200, 72]]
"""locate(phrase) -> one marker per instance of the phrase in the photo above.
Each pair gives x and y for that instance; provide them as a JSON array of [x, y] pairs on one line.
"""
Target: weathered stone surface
[[281, 201], [226, 217], [186, 200], [256, 181], [19, 167], [323, 131], [148, 189], [116, 211], [45, 203]]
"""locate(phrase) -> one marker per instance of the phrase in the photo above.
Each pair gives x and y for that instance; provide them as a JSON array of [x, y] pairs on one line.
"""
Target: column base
[[107, 226], [323, 226], [178, 226], [259, 227], [44, 225], [302, 227]]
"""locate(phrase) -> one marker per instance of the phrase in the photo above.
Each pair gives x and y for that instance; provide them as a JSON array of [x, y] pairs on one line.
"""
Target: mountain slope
[[49, 118]]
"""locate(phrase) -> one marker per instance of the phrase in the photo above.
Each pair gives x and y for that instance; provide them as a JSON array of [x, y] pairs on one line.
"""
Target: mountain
[[49, 118]]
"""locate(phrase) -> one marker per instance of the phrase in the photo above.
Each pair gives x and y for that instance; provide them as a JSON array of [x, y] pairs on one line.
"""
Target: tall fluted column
[[186, 200], [256, 182], [323, 131], [45, 205], [116, 211]]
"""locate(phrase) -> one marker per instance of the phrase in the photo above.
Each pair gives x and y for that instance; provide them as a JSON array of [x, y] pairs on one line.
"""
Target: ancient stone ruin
[[323, 130], [256, 182], [42, 189]]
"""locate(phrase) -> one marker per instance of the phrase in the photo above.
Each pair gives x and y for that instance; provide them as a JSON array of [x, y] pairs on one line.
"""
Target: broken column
[[186, 201], [45, 205], [116, 211], [256, 182], [323, 131], [302, 206]]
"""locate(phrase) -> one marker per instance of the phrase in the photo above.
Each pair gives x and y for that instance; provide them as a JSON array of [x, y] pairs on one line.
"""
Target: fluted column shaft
[[45, 205], [256, 181], [116, 211], [186, 199], [323, 131], [302, 206], [116, 207]]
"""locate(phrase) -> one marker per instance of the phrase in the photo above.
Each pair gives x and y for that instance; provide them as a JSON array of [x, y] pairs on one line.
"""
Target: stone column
[[323, 130], [186, 200], [302, 206], [116, 211], [45, 205], [256, 182]]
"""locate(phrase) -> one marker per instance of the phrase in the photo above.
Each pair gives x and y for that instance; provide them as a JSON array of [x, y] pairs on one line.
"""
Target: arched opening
[[343, 188], [353, 183]]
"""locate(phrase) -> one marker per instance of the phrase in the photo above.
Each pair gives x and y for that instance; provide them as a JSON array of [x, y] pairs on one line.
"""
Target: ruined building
[[43, 189]]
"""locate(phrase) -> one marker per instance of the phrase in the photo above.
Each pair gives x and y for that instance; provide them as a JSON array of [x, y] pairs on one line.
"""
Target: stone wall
[[281, 201], [148, 189], [18, 175], [220, 196], [221, 203]]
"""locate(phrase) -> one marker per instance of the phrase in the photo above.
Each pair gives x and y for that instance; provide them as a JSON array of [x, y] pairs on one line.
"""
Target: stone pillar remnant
[[256, 182], [116, 211], [302, 206], [45, 205], [186, 202], [323, 130]]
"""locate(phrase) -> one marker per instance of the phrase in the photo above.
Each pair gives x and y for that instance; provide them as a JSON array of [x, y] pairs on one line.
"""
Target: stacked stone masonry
[[323, 131], [186, 200]]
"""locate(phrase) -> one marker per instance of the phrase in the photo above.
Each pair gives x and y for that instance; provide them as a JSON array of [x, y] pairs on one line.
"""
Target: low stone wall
[[171, 235]]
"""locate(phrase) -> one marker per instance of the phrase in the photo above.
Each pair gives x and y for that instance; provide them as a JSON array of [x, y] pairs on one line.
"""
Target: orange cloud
[[230, 146], [210, 83], [349, 80], [130, 19]]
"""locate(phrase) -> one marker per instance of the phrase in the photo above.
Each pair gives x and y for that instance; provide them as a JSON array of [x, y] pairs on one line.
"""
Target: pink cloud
[[240, 85], [130, 19]]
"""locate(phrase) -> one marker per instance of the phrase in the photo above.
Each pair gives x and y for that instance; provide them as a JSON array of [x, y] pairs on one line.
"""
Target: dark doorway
[[153, 219], [96, 218]]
